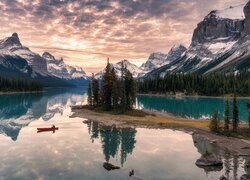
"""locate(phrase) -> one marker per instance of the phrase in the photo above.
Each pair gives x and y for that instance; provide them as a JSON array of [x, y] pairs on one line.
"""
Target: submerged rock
[[110, 167], [209, 160], [245, 177], [223, 178]]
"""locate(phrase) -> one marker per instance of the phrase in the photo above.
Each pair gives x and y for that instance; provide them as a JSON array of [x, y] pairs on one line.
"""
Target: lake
[[78, 150], [191, 107]]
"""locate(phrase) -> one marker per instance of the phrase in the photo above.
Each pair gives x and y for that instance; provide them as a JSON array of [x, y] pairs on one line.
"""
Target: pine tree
[[96, 91], [226, 117], [235, 114], [214, 123], [130, 91], [107, 88], [122, 86], [115, 90], [90, 98], [248, 107]]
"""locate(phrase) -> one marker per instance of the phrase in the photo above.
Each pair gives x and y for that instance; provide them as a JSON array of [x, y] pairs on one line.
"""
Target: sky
[[86, 32]]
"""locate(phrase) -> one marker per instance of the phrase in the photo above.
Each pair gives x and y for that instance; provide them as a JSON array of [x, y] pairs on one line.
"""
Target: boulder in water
[[109, 166], [209, 160], [245, 177]]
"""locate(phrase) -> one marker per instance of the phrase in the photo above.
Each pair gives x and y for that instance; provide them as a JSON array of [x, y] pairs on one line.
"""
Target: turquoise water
[[191, 107], [79, 149]]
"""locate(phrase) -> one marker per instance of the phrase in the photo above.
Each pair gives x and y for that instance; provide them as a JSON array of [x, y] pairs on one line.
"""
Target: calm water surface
[[78, 150], [191, 107]]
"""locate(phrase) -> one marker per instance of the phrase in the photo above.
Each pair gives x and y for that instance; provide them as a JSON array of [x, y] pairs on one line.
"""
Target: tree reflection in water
[[230, 161], [115, 141]]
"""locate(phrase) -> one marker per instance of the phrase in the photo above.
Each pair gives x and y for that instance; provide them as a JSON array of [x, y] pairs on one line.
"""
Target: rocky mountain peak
[[176, 52], [247, 18], [228, 23], [15, 35], [125, 62], [48, 56], [13, 40]]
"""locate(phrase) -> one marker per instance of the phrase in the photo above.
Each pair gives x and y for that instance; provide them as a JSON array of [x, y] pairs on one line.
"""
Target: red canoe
[[48, 129]]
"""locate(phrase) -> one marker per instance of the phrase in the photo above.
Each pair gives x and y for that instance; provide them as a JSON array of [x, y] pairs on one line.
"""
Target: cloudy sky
[[86, 32]]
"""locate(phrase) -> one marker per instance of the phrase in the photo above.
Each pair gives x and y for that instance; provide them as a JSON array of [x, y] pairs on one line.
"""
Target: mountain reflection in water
[[18, 110], [78, 150]]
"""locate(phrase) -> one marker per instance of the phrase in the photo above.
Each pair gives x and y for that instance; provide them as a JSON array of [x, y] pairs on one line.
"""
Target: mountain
[[158, 59], [135, 70], [18, 111], [220, 43], [12, 47], [154, 61], [18, 61], [58, 68]]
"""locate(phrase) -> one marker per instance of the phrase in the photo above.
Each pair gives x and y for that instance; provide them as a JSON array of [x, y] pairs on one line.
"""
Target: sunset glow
[[86, 32]]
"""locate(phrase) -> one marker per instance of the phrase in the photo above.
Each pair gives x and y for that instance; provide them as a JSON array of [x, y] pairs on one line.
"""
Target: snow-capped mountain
[[135, 70], [17, 60], [58, 68], [158, 59], [12, 47], [154, 61], [220, 43]]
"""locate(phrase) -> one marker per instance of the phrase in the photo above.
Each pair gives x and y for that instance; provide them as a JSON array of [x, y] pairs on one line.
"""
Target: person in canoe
[[53, 128]]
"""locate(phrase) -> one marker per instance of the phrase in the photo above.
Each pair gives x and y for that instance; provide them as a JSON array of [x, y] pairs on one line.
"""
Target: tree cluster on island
[[217, 84], [112, 93], [19, 85]]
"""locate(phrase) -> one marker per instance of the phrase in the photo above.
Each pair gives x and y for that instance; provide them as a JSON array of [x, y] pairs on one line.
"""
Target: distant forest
[[20, 85], [195, 84]]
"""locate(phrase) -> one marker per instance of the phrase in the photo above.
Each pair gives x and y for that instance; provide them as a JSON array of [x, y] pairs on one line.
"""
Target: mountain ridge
[[19, 61], [219, 44]]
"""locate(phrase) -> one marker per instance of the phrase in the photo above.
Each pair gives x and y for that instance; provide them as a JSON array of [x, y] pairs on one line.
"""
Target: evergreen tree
[[130, 91], [115, 90], [217, 84], [235, 114], [107, 88], [90, 98], [214, 123], [248, 107], [122, 86], [96, 91], [116, 93], [226, 117]]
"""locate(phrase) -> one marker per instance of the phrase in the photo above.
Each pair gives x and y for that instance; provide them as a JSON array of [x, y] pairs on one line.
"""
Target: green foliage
[[226, 117], [248, 107], [90, 96], [215, 123], [130, 91], [117, 94], [208, 85], [106, 88], [96, 92], [20, 85], [235, 114], [115, 90]]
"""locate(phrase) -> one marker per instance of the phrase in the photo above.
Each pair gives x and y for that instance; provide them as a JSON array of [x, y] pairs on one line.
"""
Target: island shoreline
[[159, 120]]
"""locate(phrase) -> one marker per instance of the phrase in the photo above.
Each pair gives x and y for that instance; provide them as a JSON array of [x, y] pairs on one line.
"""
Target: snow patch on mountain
[[135, 70], [220, 47], [158, 59], [58, 68], [233, 12]]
